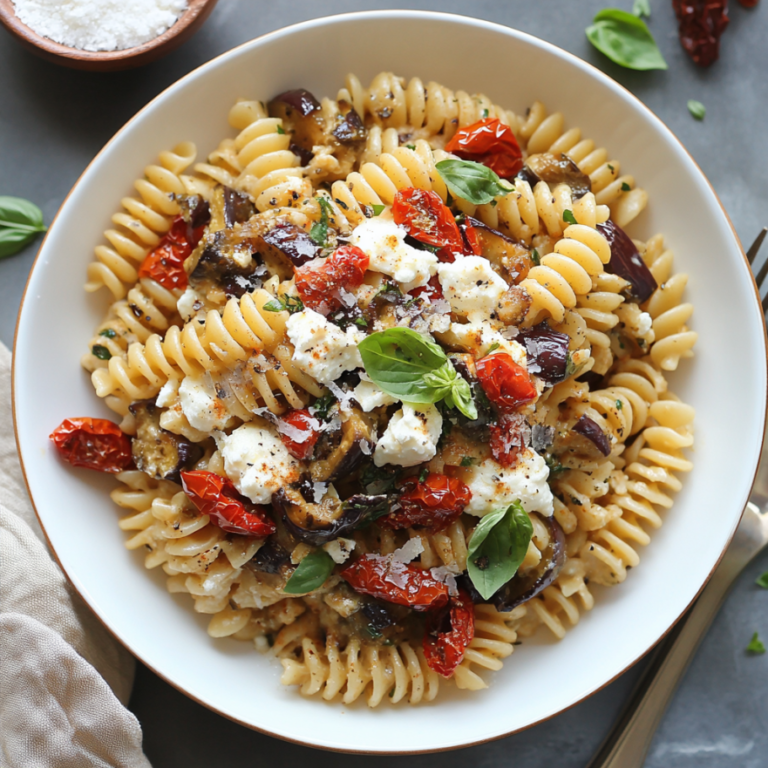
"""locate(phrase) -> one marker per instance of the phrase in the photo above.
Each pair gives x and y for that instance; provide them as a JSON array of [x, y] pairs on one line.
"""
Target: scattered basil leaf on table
[[471, 181], [762, 580], [310, 574], [697, 109], [642, 8], [756, 645], [20, 222], [319, 232], [625, 39], [407, 366], [497, 548]]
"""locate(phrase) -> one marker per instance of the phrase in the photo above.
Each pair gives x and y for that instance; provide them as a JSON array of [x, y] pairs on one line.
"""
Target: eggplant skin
[[345, 458], [291, 242], [159, 453], [553, 170], [626, 262]]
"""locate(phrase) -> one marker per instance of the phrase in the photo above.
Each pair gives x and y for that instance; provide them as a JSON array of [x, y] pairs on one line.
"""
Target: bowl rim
[[404, 14]]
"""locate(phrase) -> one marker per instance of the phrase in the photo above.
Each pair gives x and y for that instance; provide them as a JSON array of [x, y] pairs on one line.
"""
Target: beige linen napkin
[[64, 680]]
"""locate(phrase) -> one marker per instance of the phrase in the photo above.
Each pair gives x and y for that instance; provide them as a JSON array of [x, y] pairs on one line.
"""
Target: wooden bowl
[[108, 61]]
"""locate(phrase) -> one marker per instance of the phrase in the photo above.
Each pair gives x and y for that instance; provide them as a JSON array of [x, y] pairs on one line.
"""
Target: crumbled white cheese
[[471, 287], [168, 393], [190, 303], [409, 551], [339, 549], [439, 323], [494, 486], [478, 338], [448, 576], [644, 323], [257, 462], [200, 403], [383, 242], [322, 349], [370, 396], [410, 438]]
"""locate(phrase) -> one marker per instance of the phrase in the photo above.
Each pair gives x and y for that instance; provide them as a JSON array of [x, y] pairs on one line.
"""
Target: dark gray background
[[53, 121]]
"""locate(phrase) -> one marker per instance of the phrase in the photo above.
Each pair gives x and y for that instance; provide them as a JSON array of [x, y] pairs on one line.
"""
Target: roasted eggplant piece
[[302, 117], [547, 352], [588, 428], [238, 207], [271, 558], [195, 210], [355, 441], [626, 262], [509, 258], [553, 170], [159, 453], [350, 129], [318, 523], [522, 588], [287, 241]]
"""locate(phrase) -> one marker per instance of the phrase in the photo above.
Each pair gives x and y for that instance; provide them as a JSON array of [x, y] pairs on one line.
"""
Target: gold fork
[[627, 744]]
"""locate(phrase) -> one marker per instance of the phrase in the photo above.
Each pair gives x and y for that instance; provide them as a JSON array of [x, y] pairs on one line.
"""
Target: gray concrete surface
[[53, 121]]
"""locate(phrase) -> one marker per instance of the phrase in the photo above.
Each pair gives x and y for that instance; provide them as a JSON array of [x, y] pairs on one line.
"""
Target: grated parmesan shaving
[[447, 576]]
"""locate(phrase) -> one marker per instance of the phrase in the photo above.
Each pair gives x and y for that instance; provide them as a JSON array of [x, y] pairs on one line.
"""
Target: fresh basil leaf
[[323, 405], [20, 221], [569, 217], [460, 396], [378, 209], [697, 109], [310, 574], [762, 580], [101, 352], [319, 231], [471, 181], [642, 8], [274, 306], [398, 359], [497, 548], [756, 645], [108, 332], [13, 240], [625, 39]]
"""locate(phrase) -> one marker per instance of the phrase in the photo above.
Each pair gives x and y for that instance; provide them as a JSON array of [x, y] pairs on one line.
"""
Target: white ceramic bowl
[[726, 382]]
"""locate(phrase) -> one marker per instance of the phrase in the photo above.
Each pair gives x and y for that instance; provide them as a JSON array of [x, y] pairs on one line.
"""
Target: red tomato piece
[[165, 263], [490, 142], [94, 444], [428, 220], [319, 285], [507, 438], [448, 632], [472, 245], [507, 384], [300, 446], [432, 290], [400, 583], [218, 498], [701, 23], [434, 504]]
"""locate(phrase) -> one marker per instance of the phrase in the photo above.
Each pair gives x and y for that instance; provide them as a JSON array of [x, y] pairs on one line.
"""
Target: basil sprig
[[497, 547], [625, 39], [697, 109], [20, 222], [407, 366], [310, 574], [471, 181]]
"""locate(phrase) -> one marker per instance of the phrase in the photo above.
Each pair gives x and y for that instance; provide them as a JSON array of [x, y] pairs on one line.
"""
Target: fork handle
[[628, 743]]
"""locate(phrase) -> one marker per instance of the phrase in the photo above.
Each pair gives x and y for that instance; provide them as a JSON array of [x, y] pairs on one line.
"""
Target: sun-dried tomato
[[434, 503], [507, 384], [320, 285], [94, 444], [490, 142], [749, 3], [218, 498], [432, 290], [428, 220], [508, 438], [397, 582], [448, 632], [701, 23], [165, 263], [472, 244], [300, 446]]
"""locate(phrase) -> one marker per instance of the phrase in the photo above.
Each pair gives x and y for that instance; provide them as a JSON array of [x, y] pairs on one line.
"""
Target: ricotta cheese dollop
[[204, 409], [478, 338], [370, 396], [471, 287], [257, 462], [494, 486], [410, 438], [383, 242], [322, 349]]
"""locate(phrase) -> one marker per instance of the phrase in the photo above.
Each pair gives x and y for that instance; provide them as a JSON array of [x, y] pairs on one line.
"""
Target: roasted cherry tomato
[[490, 142], [165, 263], [218, 498], [432, 290], [506, 383], [434, 504], [400, 583], [319, 285], [507, 438], [301, 445], [448, 632], [472, 246], [94, 444], [428, 220]]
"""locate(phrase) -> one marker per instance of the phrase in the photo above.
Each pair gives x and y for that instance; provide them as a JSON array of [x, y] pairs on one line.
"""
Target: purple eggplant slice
[[590, 429], [195, 210], [271, 558], [553, 170], [626, 262], [238, 207], [302, 118], [292, 243], [299, 99], [523, 587], [547, 352], [351, 129], [510, 259], [339, 454]]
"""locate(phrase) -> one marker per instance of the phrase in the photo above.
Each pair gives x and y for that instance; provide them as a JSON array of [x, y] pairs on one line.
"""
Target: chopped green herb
[[569, 217], [485, 113], [280, 130], [290, 303], [108, 332], [535, 257], [625, 187], [101, 352], [493, 347], [411, 146], [311, 573], [467, 461], [323, 405], [625, 39], [361, 321], [424, 474], [755, 645], [378, 209], [762, 580], [319, 232], [619, 405], [642, 8], [697, 109]]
